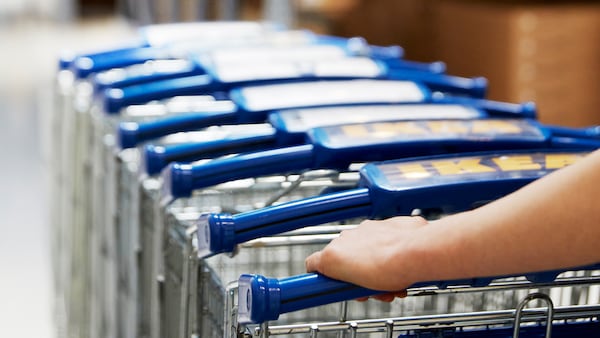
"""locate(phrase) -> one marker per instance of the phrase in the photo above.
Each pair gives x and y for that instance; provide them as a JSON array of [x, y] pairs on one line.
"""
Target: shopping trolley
[[208, 276]]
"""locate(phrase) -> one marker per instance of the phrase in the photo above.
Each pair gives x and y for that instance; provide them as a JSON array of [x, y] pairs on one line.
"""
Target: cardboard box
[[547, 53]]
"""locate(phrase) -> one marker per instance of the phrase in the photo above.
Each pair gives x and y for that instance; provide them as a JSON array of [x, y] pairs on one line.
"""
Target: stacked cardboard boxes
[[547, 52]]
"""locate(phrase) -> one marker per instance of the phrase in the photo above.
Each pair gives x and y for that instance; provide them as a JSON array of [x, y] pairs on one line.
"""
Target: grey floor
[[28, 54]]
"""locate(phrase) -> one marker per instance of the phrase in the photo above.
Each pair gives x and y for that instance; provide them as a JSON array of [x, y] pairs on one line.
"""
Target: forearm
[[551, 223]]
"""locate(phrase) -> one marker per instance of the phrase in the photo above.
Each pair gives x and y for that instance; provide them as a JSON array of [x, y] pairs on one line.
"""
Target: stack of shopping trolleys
[[196, 168]]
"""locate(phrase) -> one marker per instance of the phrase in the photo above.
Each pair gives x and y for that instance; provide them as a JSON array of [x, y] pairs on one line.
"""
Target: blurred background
[[544, 51]]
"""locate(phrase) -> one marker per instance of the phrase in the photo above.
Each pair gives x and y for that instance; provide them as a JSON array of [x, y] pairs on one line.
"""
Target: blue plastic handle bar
[[186, 178], [219, 233], [84, 66], [131, 134], [385, 52], [472, 87], [581, 133], [262, 299], [101, 85], [437, 67], [159, 157], [116, 99], [494, 108]]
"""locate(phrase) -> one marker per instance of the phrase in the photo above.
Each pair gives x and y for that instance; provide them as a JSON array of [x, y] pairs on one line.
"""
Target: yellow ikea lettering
[[439, 127], [557, 161], [514, 163], [465, 166], [413, 170], [410, 128], [496, 126], [355, 130]]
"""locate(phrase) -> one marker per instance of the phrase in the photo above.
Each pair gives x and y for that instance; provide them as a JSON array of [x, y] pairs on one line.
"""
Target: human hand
[[378, 255]]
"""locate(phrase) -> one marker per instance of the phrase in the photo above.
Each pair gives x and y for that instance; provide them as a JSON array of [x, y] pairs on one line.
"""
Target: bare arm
[[549, 224]]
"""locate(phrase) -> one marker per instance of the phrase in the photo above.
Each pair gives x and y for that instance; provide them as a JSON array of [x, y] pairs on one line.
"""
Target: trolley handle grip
[[436, 67], [115, 99], [131, 134], [184, 179], [495, 108], [158, 157], [473, 87], [152, 72], [262, 299], [592, 132], [384, 53], [220, 233], [85, 65]]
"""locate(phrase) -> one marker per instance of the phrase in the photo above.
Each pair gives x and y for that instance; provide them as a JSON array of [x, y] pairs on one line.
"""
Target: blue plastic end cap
[[82, 67], [259, 299], [128, 134], [178, 180], [481, 85], [438, 67], [154, 158], [113, 100], [65, 60], [215, 234], [529, 109]]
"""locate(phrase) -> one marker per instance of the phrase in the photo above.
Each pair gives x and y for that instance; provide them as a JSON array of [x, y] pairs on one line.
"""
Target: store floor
[[29, 50]]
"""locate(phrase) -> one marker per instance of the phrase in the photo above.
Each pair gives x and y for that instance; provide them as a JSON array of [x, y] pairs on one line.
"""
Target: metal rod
[[264, 330], [389, 328], [549, 313]]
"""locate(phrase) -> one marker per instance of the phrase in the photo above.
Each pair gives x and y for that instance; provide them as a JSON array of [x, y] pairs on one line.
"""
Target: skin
[[552, 223]]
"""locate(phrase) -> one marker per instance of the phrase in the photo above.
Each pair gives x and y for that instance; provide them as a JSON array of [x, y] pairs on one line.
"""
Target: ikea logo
[[482, 165]]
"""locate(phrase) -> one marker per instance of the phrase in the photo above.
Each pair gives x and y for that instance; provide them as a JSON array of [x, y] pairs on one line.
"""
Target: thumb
[[313, 262]]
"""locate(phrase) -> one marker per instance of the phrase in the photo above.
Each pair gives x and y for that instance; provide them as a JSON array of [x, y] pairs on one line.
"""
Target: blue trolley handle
[[473, 87], [592, 132], [132, 133], [437, 67], [262, 299], [185, 178], [159, 157], [191, 69], [219, 233], [117, 98], [83, 66], [494, 108]]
